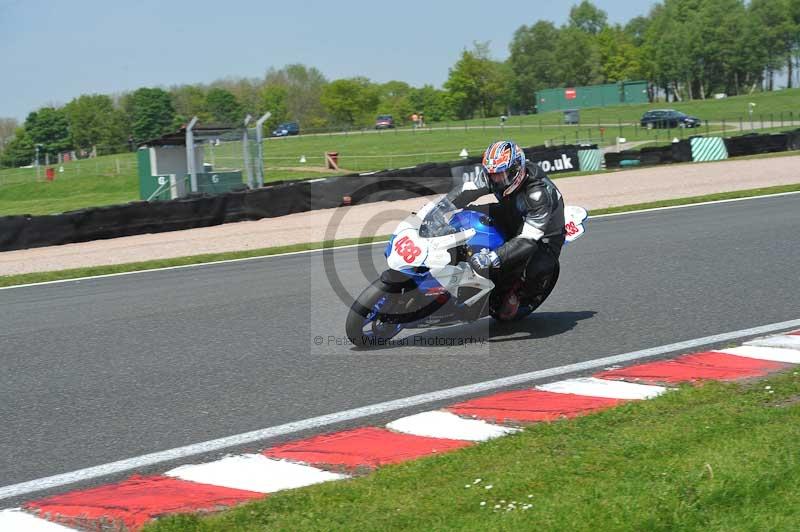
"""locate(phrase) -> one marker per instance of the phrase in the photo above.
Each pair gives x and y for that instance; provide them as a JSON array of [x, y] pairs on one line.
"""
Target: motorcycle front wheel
[[382, 310]]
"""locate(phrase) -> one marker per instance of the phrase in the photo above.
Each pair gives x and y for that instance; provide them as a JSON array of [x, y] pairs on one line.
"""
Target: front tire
[[382, 310]]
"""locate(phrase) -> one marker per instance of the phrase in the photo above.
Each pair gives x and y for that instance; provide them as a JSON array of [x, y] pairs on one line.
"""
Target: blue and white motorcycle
[[429, 281]]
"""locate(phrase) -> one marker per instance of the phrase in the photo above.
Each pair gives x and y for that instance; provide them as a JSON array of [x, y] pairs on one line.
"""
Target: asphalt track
[[99, 370]]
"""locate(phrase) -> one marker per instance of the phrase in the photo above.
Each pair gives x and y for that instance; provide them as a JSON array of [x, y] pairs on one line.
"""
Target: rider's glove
[[484, 261]]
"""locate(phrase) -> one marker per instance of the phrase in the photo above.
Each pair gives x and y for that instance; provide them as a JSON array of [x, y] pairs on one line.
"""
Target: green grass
[[769, 105], [42, 277], [30, 278], [112, 179], [717, 457]]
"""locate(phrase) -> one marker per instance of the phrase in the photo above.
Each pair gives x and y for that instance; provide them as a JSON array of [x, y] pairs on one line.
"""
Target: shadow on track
[[487, 331]]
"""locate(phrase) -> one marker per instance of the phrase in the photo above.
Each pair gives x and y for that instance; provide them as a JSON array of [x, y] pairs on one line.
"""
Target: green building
[[591, 96]]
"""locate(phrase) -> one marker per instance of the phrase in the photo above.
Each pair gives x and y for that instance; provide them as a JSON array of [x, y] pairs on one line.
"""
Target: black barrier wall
[[278, 199], [750, 144]]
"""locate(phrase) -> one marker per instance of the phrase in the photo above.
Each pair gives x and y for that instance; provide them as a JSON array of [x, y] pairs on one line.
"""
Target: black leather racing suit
[[532, 220]]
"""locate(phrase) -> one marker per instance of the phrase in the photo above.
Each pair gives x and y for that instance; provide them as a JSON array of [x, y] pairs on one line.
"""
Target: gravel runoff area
[[590, 191]]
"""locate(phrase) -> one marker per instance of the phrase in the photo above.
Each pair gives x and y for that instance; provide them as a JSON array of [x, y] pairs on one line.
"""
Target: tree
[[350, 101], [533, 62], [431, 102], [636, 29], [49, 127], [780, 25], [150, 113], [394, 100], [8, 127], [20, 151], [587, 18], [223, 107], [620, 60], [94, 121], [274, 99], [190, 101], [304, 92], [578, 58], [477, 83]]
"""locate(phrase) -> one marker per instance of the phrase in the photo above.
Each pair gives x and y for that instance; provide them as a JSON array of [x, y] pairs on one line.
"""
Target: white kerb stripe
[[438, 424], [604, 388], [775, 354], [15, 520], [254, 472], [784, 341]]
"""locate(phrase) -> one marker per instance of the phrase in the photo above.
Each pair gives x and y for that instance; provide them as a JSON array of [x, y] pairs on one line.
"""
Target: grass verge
[[41, 277], [714, 457]]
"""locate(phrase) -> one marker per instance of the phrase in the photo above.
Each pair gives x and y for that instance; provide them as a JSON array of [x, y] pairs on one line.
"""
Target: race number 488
[[405, 248]]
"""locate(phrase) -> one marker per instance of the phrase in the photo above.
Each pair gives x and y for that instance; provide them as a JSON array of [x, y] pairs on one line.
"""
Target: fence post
[[619, 123], [761, 116], [723, 127], [781, 118], [706, 127], [740, 123]]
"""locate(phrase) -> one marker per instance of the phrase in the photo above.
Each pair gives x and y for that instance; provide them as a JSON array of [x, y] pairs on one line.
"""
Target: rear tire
[[531, 303]]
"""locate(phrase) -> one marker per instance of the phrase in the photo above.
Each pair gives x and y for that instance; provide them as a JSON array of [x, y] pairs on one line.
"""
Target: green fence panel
[[591, 96], [708, 149], [590, 160], [219, 182]]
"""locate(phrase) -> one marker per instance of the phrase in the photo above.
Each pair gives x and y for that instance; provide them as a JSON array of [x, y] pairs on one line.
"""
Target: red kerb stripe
[[135, 501], [363, 447], [695, 367], [531, 405]]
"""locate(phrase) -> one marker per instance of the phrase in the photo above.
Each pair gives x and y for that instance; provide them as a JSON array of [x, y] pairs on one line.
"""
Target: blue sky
[[52, 51]]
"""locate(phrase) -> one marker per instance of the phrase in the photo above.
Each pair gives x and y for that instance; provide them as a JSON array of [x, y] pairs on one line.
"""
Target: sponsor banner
[[556, 160]]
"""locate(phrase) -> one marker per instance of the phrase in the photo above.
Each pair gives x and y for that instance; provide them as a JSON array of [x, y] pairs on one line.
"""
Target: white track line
[[254, 472], [247, 438], [379, 243], [604, 388], [774, 354], [16, 520], [784, 340], [438, 424]]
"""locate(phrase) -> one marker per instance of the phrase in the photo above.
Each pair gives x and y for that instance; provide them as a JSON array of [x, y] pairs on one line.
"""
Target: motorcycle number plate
[[573, 222], [406, 248]]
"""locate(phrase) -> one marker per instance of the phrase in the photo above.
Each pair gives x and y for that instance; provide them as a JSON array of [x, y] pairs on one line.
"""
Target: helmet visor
[[500, 178]]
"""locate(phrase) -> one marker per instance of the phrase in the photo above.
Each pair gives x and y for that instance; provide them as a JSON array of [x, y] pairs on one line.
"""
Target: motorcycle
[[429, 281]]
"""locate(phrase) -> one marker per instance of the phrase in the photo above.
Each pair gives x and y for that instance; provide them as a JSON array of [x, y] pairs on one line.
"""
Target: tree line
[[686, 49]]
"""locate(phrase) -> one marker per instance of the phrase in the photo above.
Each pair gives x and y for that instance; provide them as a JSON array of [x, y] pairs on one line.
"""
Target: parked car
[[384, 122], [286, 129], [668, 118]]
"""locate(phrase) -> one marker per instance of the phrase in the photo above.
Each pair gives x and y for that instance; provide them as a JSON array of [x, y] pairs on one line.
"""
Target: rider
[[530, 213]]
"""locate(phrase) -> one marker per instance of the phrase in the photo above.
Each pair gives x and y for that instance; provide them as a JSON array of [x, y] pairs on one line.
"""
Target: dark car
[[384, 122], [668, 118], [286, 129]]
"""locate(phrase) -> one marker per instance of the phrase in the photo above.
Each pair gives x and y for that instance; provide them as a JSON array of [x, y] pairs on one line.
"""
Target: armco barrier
[[20, 232]]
